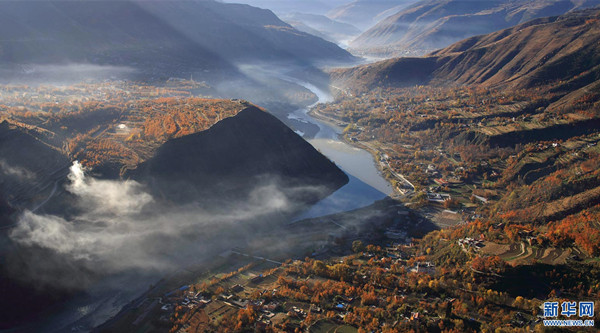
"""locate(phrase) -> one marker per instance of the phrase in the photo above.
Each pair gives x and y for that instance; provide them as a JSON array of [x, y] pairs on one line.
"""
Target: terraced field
[[522, 253]]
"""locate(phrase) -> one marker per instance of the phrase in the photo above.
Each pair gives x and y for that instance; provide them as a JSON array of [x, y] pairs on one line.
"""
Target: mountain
[[364, 13], [539, 52], [235, 155], [321, 25], [153, 36], [562, 50], [432, 24]]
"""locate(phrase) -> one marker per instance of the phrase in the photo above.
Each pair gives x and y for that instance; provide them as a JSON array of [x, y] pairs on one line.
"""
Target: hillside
[[127, 125], [154, 36], [540, 52], [28, 167], [235, 155], [502, 127], [432, 24]]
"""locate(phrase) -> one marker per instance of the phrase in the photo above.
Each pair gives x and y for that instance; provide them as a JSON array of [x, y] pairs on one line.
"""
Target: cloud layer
[[121, 227]]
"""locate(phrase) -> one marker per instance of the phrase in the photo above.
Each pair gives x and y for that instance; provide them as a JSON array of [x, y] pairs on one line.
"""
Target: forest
[[112, 126]]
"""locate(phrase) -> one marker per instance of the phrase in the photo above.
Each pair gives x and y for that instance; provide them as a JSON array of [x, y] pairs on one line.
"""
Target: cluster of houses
[[470, 243], [190, 299]]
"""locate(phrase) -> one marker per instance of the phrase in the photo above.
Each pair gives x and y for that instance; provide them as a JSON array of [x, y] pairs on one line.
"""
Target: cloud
[[122, 228], [20, 173], [121, 198]]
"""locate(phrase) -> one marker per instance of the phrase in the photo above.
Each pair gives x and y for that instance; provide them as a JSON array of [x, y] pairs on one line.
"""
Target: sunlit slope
[[433, 24], [539, 52]]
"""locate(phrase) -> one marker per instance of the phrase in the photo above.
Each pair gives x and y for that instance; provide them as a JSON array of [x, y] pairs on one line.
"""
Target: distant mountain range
[[365, 13], [562, 50], [322, 26], [428, 25], [153, 35], [283, 7]]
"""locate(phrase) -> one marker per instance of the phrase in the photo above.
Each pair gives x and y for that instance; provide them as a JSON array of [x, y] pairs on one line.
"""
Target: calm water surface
[[366, 182]]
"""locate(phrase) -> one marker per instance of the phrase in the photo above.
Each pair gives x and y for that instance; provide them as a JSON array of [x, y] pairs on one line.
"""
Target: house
[[237, 288], [438, 197], [239, 303], [315, 309], [257, 279], [424, 267], [471, 243]]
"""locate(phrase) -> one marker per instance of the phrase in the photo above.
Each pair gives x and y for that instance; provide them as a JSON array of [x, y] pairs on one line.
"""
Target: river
[[366, 183]]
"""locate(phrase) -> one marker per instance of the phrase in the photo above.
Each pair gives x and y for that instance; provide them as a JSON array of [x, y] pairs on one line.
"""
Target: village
[[245, 278], [198, 305]]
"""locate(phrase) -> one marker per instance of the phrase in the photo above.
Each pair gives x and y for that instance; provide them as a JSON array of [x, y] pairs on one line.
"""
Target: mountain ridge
[[432, 24], [527, 55]]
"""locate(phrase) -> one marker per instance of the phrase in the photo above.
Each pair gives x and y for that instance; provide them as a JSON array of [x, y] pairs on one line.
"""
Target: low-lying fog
[[62, 74], [122, 239], [121, 227]]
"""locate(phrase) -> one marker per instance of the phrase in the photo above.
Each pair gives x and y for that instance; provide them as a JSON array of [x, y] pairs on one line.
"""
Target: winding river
[[366, 183]]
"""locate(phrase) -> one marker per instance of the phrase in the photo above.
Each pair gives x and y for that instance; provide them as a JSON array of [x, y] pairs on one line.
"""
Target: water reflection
[[366, 184]]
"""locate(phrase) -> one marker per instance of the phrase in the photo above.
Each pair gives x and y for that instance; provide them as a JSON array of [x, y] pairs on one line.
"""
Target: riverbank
[[381, 163], [366, 185]]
